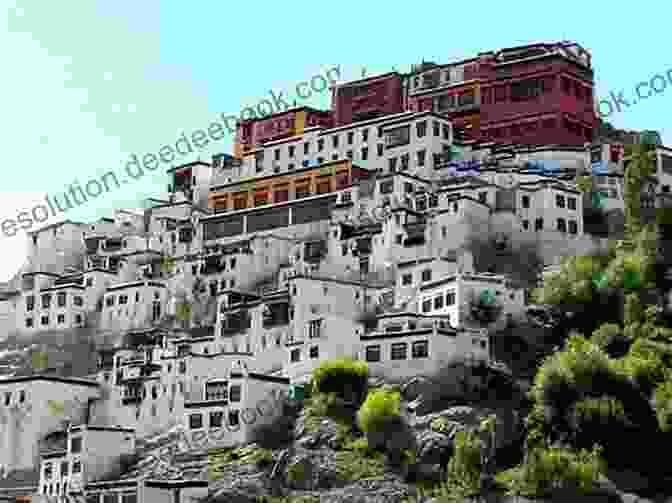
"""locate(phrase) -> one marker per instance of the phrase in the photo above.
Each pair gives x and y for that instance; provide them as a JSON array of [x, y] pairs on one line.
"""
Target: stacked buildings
[[342, 233]]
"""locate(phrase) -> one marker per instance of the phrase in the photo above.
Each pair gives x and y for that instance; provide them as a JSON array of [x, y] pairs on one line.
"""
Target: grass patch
[[219, 458], [358, 461]]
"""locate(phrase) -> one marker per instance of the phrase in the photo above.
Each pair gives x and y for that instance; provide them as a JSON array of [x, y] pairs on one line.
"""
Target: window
[[398, 351], [306, 148], [61, 299], [437, 129], [573, 227], [526, 224], [234, 418], [380, 148], [123, 299], [526, 201], [446, 132], [421, 129], [216, 419], [398, 238], [392, 163], [421, 157], [48, 470], [276, 154], [46, 301], [365, 153], [29, 322], [562, 226], [427, 275], [44, 320], [373, 353], [386, 187], [406, 279], [351, 137], [420, 349], [234, 393], [349, 154], [560, 201], [320, 145], [314, 329], [571, 203], [539, 224], [404, 162], [314, 351], [426, 305], [109, 301], [295, 355], [482, 197], [182, 367], [195, 421], [438, 302], [334, 140], [30, 302], [76, 445], [450, 298], [8, 398], [76, 467], [60, 319], [365, 134]]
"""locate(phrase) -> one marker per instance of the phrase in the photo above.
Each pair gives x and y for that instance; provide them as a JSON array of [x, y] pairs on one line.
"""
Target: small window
[[526, 201], [234, 393], [450, 298], [76, 445], [373, 353], [314, 352], [571, 203], [560, 201], [561, 225], [76, 467], [426, 305], [48, 470], [427, 275], [438, 302], [398, 351], [22, 396], [29, 322], [539, 224], [234, 418], [420, 349], [526, 224], [216, 419], [44, 320], [195, 421], [573, 227], [295, 355], [64, 468], [482, 197], [407, 279]]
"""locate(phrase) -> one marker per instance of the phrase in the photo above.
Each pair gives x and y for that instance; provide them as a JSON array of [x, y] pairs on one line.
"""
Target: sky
[[86, 84]]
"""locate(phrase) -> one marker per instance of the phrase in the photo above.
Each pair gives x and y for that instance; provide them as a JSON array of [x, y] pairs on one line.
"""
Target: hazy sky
[[85, 84]]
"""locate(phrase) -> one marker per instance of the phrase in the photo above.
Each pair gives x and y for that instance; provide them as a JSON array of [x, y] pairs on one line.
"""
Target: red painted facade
[[367, 98]]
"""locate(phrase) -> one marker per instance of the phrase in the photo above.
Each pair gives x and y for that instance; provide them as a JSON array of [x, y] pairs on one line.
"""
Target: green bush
[[549, 468], [351, 465], [663, 398], [381, 407], [296, 472], [345, 377]]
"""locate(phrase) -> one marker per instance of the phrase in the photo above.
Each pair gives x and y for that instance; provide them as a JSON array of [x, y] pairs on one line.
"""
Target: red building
[[252, 133], [367, 98], [538, 94], [535, 94]]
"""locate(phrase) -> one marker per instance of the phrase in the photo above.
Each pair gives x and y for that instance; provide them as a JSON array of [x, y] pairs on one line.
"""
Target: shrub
[[549, 468], [663, 398], [381, 407], [296, 472], [345, 377]]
